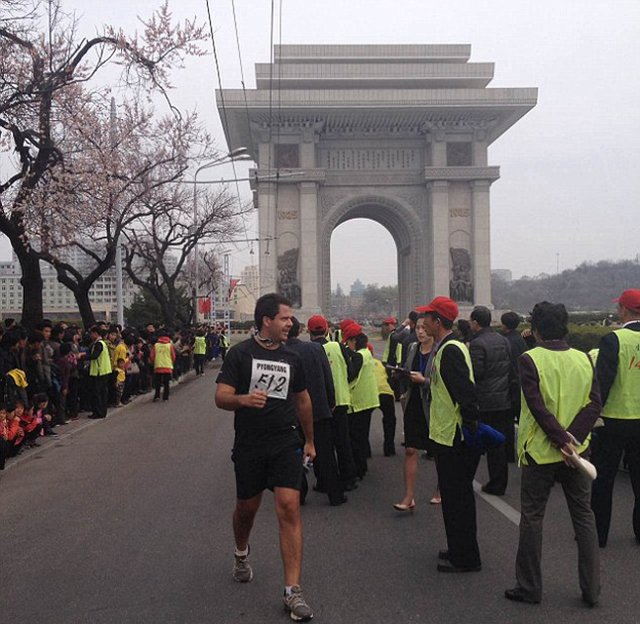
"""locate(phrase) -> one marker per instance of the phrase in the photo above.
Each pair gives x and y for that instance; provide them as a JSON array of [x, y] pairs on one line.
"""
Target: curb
[[33, 453]]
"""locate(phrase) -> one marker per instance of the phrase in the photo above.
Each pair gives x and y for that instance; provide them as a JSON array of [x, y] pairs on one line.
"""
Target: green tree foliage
[[146, 309]]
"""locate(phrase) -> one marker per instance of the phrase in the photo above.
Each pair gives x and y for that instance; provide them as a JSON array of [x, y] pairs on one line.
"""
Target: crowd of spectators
[[51, 375]]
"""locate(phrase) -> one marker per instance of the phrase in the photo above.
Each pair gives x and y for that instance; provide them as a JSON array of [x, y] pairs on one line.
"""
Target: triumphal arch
[[394, 133]]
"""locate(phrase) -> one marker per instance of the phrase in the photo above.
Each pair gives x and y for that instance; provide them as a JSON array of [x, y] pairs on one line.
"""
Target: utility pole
[[227, 293], [119, 293]]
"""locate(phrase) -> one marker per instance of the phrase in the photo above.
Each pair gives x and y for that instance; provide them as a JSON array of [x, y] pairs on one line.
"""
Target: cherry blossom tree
[[48, 76]]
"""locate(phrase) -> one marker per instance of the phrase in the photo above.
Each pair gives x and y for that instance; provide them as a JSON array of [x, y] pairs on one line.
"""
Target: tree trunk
[[84, 306], [169, 309], [31, 281]]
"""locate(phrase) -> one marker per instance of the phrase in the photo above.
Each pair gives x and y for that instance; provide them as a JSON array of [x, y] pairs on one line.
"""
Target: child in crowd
[[40, 407], [4, 437], [31, 425], [14, 432], [121, 378]]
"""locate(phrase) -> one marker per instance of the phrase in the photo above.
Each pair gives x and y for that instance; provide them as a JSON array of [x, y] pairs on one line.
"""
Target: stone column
[[267, 230], [309, 280], [439, 194], [481, 243]]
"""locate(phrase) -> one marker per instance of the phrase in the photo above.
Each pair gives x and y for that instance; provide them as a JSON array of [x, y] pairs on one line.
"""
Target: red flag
[[234, 283], [204, 305]]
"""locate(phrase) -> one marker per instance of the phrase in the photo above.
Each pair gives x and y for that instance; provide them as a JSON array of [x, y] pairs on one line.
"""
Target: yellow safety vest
[[364, 389], [102, 365], [385, 355], [445, 415], [163, 356], [382, 380], [566, 378], [339, 373], [200, 346], [623, 401]]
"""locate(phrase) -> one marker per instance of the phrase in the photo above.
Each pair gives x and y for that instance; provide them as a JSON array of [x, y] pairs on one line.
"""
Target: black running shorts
[[267, 467]]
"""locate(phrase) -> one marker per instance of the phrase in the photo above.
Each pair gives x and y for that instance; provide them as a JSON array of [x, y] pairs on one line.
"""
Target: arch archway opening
[[364, 270]]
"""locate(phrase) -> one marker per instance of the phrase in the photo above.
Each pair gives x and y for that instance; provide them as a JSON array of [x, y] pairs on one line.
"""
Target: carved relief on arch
[[461, 272], [288, 283]]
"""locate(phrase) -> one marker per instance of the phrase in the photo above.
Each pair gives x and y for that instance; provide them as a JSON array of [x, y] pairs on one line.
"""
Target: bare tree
[[159, 249]]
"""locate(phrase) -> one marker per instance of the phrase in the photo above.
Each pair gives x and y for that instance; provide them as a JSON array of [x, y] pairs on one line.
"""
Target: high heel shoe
[[403, 507]]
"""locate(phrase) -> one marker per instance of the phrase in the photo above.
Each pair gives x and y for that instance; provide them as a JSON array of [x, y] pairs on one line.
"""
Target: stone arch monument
[[394, 133]]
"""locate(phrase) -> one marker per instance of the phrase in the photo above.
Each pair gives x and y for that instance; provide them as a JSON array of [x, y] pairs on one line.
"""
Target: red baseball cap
[[351, 330], [342, 324], [444, 306], [629, 299], [390, 321], [317, 323]]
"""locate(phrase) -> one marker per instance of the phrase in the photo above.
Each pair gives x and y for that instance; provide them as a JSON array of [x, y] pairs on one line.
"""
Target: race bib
[[270, 377]]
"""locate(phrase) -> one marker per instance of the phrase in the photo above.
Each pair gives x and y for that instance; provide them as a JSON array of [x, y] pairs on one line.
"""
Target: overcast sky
[[570, 168]]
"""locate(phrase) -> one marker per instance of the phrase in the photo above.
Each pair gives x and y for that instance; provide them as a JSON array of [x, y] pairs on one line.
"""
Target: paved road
[[128, 522]]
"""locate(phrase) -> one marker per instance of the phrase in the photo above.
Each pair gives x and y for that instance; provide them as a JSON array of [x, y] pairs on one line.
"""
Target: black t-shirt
[[278, 372]]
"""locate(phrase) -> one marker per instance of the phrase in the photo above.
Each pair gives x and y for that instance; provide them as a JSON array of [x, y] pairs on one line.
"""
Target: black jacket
[[492, 367], [318, 375]]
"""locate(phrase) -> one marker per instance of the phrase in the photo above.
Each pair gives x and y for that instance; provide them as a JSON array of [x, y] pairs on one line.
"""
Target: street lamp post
[[240, 153]]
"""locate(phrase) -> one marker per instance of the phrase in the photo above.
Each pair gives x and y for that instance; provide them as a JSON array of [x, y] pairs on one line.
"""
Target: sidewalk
[[76, 426]]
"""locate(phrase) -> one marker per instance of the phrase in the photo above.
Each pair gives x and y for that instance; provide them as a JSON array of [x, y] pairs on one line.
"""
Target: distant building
[[242, 302], [57, 300], [357, 289], [503, 274], [250, 277]]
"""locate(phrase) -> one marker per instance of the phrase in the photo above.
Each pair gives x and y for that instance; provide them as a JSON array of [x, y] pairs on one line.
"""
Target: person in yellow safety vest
[[163, 356], [200, 351], [339, 334], [453, 403], [99, 371], [618, 371], [389, 356], [364, 395], [560, 404], [387, 407], [339, 358], [223, 343]]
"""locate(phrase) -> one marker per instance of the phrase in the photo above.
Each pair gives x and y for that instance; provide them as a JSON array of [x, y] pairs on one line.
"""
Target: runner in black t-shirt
[[263, 382]]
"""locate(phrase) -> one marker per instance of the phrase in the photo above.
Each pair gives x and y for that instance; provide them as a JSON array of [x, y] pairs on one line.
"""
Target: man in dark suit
[[321, 390]]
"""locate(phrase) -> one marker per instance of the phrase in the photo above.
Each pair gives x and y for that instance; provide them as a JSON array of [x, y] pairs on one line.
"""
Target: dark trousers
[[198, 361], [4, 451], [342, 441], [456, 468], [537, 481], [325, 466], [388, 409], [607, 449], [162, 380], [72, 397], [497, 456], [358, 434], [100, 394]]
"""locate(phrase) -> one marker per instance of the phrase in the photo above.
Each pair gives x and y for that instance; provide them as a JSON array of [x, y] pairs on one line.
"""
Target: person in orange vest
[[163, 356]]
